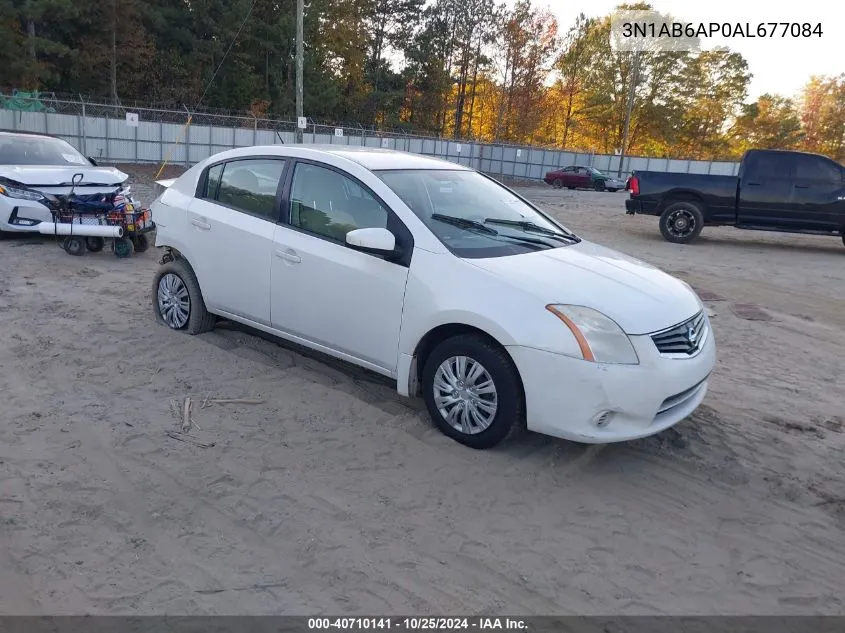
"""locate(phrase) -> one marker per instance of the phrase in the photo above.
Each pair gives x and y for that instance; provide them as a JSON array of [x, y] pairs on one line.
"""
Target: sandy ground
[[336, 495]]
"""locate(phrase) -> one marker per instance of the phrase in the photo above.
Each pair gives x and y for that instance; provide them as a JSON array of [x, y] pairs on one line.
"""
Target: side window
[[327, 203], [771, 165], [212, 182], [248, 185], [569, 170], [816, 168]]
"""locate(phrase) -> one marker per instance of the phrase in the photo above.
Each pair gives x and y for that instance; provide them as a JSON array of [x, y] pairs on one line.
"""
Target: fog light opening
[[602, 419]]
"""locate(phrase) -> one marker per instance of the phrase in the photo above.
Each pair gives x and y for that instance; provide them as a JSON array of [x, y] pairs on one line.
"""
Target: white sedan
[[440, 278], [37, 167]]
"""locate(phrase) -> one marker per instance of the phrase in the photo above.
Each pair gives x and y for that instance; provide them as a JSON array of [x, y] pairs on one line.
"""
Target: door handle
[[289, 256], [205, 226], [802, 186], [753, 184]]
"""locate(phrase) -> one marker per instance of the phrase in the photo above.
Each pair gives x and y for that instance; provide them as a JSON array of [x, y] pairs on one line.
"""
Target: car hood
[[639, 297], [52, 179]]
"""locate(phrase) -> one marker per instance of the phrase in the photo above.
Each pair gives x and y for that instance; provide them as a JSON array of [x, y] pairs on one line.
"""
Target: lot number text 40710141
[[424, 623]]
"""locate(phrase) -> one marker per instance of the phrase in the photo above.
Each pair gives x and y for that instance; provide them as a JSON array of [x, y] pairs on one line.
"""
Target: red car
[[580, 177]]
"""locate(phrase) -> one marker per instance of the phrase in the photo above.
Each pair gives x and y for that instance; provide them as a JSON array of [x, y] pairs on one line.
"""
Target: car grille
[[685, 339]]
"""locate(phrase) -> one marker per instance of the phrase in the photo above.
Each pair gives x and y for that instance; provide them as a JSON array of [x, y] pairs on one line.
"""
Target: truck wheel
[[681, 222], [558, 183]]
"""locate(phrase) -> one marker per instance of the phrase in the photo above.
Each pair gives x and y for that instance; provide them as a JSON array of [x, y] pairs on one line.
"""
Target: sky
[[778, 65]]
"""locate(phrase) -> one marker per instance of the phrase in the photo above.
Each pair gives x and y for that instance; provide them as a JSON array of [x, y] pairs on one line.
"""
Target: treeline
[[461, 68]]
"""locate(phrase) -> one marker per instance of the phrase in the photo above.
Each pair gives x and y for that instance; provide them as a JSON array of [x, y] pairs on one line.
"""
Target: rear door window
[[249, 185], [816, 168]]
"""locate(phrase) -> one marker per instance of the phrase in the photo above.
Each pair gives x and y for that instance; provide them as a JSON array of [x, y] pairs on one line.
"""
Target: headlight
[[600, 339], [22, 194]]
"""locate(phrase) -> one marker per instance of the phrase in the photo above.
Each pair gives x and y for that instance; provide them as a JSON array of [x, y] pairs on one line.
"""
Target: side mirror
[[92, 161], [375, 241]]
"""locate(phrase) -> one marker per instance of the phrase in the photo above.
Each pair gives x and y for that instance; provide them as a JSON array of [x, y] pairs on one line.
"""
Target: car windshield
[[24, 149], [473, 215]]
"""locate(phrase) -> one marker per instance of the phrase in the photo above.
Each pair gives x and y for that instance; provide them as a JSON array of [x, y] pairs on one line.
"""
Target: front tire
[[177, 299], [472, 391], [599, 185], [681, 222]]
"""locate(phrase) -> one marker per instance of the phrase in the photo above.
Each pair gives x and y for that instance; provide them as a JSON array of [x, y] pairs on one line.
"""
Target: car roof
[[372, 158], [24, 133]]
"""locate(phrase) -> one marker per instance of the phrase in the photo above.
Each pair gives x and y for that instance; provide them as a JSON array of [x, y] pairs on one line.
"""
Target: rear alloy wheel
[[472, 391], [177, 299], [558, 183], [681, 222]]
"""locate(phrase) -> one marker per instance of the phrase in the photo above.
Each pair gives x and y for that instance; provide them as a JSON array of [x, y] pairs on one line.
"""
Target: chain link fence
[[129, 133]]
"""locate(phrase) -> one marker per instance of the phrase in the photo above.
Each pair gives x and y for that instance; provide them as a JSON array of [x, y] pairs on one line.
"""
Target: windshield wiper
[[535, 243], [525, 225], [464, 223]]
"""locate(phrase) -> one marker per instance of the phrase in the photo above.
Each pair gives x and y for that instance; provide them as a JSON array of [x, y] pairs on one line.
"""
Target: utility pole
[[300, 10], [635, 71]]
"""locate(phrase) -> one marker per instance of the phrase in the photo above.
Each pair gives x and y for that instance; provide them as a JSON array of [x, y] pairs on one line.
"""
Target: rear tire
[[613, 190], [558, 183], [681, 222], [170, 281], [473, 391], [599, 185]]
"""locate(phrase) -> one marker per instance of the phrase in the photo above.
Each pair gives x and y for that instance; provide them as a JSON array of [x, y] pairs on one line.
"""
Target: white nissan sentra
[[440, 278]]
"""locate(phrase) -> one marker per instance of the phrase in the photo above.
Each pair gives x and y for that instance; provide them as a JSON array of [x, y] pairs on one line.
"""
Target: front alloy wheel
[[465, 394], [473, 391]]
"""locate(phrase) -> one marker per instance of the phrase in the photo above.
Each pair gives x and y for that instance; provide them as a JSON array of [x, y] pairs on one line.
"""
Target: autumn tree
[[823, 115], [771, 122]]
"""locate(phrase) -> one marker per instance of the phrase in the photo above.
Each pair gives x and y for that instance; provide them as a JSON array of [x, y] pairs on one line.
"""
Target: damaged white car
[[36, 170]]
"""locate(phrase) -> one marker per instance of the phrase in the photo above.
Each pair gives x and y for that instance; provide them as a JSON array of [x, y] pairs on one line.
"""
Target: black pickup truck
[[776, 190]]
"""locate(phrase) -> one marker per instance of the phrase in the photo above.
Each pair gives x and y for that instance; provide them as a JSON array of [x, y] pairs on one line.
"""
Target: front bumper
[[22, 215], [565, 396]]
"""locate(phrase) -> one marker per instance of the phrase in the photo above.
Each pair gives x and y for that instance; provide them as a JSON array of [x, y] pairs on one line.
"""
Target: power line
[[226, 54]]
